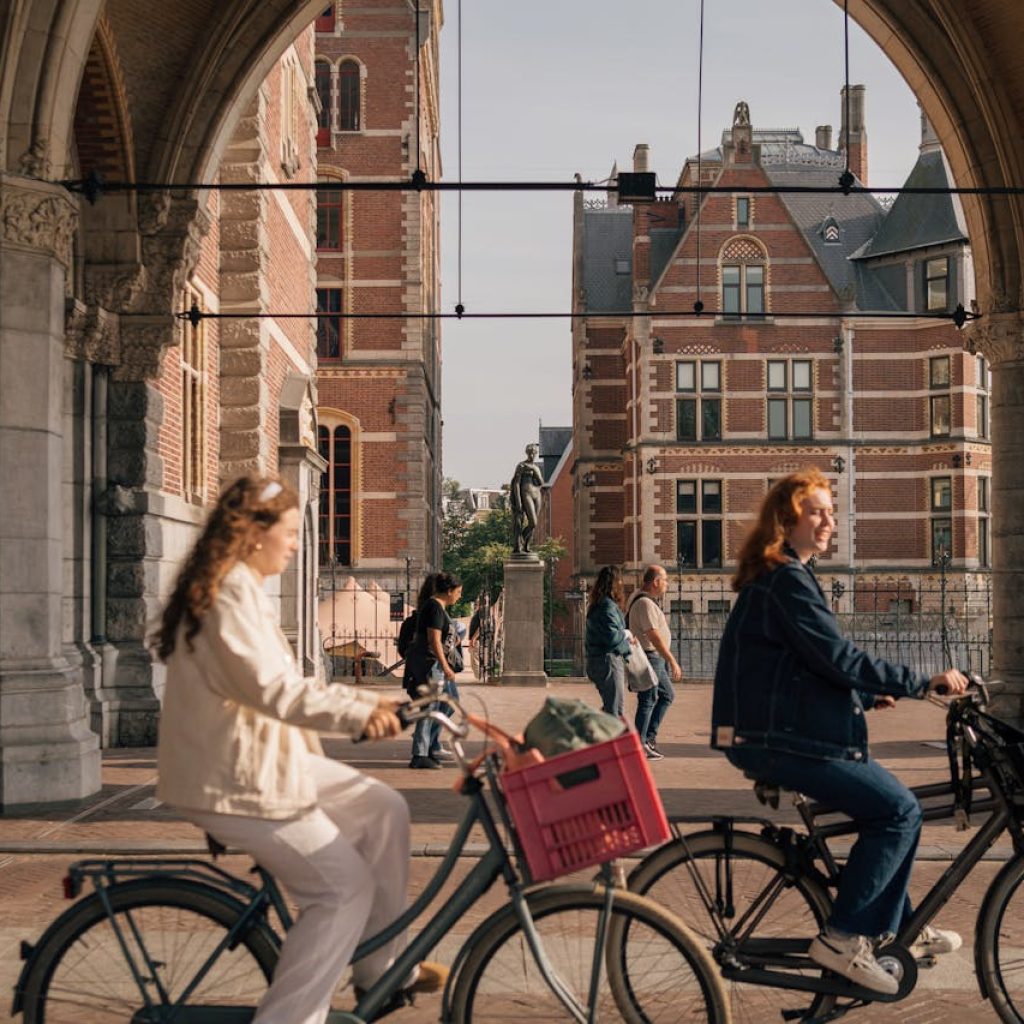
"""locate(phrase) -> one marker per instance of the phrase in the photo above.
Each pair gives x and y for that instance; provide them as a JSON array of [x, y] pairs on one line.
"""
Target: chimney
[[857, 158], [823, 136], [641, 158]]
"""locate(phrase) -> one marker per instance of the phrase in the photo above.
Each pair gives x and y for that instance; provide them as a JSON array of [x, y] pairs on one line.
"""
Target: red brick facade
[[380, 250], [681, 422]]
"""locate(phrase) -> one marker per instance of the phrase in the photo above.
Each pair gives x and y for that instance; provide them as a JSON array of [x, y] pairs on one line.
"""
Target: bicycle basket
[[585, 807]]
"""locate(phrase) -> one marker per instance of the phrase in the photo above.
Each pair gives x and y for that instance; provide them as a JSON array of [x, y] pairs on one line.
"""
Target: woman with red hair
[[789, 701]]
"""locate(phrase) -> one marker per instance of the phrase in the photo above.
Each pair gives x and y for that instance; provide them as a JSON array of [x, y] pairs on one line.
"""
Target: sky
[[557, 87]]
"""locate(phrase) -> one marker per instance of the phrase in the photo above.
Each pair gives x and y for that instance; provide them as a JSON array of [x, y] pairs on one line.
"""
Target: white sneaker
[[935, 942], [853, 957]]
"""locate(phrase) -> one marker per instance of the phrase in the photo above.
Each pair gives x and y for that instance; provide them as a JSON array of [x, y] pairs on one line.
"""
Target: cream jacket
[[239, 721]]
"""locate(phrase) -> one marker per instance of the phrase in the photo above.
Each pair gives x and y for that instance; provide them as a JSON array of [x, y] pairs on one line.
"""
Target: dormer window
[[830, 231], [936, 284]]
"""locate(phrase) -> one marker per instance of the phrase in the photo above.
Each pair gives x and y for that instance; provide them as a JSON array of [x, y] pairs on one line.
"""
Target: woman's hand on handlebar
[[383, 722], [950, 683]]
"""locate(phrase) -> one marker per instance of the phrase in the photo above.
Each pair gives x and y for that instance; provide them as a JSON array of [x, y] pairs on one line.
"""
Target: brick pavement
[[125, 818]]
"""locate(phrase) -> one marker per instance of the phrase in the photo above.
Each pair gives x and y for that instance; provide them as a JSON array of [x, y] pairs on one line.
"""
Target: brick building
[[681, 423], [378, 380]]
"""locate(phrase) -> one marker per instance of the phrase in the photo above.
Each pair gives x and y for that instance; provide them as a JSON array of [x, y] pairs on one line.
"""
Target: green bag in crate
[[567, 723]]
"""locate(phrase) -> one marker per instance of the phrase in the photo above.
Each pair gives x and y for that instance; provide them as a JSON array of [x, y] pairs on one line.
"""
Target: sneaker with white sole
[[935, 942], [853, 957]]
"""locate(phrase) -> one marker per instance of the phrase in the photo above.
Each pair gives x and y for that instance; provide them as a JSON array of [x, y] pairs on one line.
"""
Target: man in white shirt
[[649, 625]]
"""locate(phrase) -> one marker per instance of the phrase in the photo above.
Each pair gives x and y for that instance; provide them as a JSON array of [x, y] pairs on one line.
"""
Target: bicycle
[[184, 941], [758, 898]]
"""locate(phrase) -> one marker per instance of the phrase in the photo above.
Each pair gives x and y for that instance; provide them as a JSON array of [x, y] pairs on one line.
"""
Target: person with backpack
[[430, 661], [607, 642], [648, 624]]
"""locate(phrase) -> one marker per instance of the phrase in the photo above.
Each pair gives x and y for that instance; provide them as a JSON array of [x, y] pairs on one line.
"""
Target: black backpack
[[406, 635]]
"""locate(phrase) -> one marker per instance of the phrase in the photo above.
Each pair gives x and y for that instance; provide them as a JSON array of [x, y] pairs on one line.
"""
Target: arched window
[[328, 324], [348, 96], [322, 77], [336, 510], [743, 264]]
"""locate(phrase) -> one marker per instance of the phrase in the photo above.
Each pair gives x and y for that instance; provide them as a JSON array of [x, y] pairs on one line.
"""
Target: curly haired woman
[[239, 756], [789, 701]]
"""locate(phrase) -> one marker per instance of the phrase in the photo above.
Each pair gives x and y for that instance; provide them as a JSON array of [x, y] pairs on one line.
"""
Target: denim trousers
[[426, 735], [872, 897], [652, 704], [608, 673]]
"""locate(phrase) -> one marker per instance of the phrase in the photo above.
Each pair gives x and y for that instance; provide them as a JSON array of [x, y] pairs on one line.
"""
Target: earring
[[259, 547]]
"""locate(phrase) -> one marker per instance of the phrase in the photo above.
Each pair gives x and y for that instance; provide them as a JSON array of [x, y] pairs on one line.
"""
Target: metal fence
[[928, 622]]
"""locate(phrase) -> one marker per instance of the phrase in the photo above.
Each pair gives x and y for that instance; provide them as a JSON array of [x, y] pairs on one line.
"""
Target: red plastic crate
[[585, 807]]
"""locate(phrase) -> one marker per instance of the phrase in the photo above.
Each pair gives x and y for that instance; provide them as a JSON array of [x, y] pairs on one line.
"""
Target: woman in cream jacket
[[239, 756]]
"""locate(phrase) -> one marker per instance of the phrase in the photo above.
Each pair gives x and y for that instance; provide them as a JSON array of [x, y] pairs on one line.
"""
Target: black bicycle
[[758, 893], [185, 942]]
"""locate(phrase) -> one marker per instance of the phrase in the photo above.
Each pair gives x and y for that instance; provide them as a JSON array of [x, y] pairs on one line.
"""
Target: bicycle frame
[[256, 900], [748, 962]]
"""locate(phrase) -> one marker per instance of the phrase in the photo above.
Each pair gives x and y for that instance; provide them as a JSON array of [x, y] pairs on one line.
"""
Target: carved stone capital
[[37, 215], [999, 337], [114, 286], [170, 253], [92, 333], [143, 340]]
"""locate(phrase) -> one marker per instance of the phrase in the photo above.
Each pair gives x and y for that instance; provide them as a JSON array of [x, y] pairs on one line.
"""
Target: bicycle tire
[[178, 920], [757, 864], [1000, 936], [663, 977]]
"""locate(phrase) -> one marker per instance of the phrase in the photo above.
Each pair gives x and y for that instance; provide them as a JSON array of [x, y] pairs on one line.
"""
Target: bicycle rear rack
[[105, 873]]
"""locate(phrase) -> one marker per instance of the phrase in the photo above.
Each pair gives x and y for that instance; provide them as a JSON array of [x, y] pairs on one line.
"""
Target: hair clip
[[272, 490]]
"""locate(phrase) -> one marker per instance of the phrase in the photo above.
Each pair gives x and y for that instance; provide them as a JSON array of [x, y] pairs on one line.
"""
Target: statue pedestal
[[524, 622]]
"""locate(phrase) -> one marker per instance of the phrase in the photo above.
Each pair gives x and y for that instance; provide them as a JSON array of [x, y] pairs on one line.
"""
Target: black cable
[[959, 316], [846, 179], [459, 307], [698, 305], [93, 187]]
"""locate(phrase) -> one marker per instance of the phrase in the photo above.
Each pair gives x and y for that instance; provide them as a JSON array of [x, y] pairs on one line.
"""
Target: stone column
[[524, 622], [1000, 338], [47, 751]]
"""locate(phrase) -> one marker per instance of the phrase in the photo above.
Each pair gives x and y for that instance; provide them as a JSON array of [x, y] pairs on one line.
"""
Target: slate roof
[[607, 236], [553, 441], [916, 221]]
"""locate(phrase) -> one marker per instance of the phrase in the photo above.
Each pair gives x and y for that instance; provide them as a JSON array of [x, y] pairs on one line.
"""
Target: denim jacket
[[787, 680], [606, 630]]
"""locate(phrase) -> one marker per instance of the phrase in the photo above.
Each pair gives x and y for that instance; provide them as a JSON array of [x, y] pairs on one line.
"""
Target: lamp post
[[679, 609]]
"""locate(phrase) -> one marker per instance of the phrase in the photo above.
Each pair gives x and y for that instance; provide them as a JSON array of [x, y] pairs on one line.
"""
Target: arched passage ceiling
[[191, 66]]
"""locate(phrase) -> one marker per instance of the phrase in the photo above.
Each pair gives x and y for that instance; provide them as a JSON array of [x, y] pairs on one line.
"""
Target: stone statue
[[741, 115], [525, 499]]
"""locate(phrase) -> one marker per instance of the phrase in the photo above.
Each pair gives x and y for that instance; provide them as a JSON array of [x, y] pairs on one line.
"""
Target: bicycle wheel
[[80, 974], [767, 905], [999, 949], [653, 971]]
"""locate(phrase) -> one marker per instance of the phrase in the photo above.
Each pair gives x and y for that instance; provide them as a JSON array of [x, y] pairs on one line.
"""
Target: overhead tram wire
[[460, 308], [958, 316], [94, 186], [698, 305]]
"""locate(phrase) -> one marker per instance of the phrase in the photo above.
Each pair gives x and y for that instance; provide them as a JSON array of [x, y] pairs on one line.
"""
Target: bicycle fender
[[1012, 864], [30, 952]]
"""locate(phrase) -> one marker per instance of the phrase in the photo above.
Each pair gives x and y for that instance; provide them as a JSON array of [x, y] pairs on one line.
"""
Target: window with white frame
[[350, 114], [193, 403], [322, 79], [936, 284], [939, 405], [984, 522], [984, 385], [699, 523], [743, 273], [790, 401], [941, 504], [699, 401]]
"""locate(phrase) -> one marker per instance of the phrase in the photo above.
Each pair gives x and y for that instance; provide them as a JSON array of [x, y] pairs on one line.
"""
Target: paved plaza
[[126, 819]]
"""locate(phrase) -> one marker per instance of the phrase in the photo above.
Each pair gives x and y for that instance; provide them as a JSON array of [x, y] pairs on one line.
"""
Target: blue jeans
[[872, 896], [608, 673], [652, 704], [426, 735]]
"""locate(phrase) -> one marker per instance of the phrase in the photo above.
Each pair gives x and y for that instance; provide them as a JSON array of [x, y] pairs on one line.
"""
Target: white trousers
[[346, 865]]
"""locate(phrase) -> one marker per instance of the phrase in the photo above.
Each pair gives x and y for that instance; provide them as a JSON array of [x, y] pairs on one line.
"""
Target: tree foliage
[[476, 551]]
